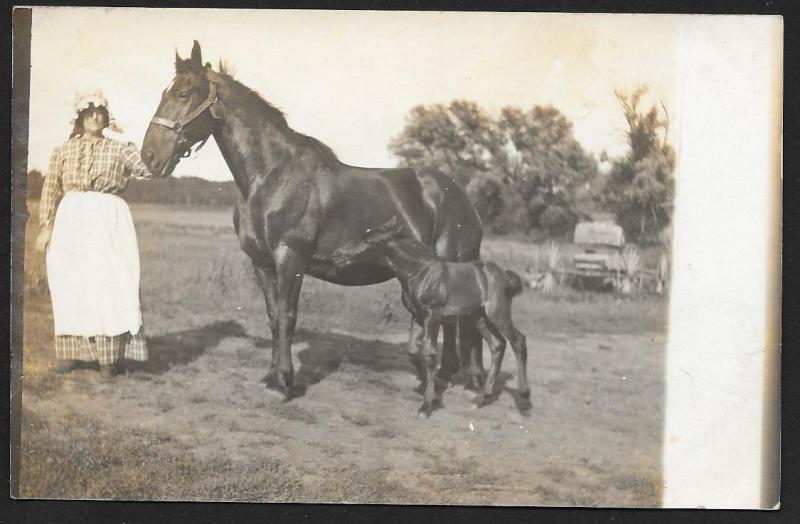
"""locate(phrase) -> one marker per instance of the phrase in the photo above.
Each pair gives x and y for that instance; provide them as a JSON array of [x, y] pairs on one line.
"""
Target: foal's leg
[[501, 317], [520, 348], [431, 356], [415, 341], [415, 344], [497, 344]]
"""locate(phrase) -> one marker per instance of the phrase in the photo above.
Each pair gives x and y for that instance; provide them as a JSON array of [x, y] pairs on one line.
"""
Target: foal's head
[[371, 246]]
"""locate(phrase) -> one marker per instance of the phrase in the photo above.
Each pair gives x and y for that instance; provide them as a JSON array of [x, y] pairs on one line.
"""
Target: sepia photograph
[[385, 257]]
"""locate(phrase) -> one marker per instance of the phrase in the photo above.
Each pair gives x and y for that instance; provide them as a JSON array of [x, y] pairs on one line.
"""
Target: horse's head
[[186, 115]]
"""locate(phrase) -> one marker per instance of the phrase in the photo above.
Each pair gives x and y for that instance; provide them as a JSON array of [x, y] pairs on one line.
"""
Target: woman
[[92, 253]]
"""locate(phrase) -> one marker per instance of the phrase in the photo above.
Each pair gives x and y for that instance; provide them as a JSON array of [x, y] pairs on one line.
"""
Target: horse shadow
[[182, 347], [322, 355], [325, 352]]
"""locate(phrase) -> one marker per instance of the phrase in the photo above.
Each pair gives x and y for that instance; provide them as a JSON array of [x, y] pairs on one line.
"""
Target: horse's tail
[[516, 284]]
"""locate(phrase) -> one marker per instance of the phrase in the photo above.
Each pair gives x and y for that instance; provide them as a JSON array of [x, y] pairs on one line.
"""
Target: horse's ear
[[197, 59], [178, 59]]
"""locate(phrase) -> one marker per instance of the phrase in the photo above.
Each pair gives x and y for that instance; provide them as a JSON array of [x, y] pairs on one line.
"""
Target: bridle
[[177, 126]]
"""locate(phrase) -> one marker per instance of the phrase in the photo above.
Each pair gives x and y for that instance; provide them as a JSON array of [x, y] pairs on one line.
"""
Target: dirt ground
[[195, 423]]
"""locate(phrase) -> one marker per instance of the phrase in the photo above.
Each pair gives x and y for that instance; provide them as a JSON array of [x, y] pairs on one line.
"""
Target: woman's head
[[92, 114], [92, 120]]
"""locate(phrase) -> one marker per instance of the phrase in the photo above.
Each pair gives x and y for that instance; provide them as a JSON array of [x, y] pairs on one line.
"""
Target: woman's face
[[94, 121]]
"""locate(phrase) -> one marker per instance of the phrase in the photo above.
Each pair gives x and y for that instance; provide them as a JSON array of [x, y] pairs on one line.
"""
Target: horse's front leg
[[289, 270], [268, 280], [431, 357]]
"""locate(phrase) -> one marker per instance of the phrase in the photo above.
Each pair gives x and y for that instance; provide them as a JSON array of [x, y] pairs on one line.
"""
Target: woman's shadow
[[182, 347]]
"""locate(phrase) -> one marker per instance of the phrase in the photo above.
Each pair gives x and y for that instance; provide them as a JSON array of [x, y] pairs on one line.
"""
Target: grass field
[[194, 423]]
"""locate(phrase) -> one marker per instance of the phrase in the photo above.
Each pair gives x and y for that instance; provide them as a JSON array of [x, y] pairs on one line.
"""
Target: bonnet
[[94, 99]]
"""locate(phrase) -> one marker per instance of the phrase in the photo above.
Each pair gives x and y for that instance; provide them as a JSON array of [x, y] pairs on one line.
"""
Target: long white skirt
[[93, 266]]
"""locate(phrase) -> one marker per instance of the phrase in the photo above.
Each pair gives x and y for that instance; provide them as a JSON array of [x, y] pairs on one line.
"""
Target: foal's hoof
[[524, 402]]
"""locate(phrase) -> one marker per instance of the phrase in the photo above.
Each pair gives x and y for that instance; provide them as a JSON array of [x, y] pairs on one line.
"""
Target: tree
[[456, 138], [641, 184], [522, 169], [547, 167]]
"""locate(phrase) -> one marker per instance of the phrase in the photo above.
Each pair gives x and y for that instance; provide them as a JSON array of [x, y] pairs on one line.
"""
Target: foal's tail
[[515, 282]]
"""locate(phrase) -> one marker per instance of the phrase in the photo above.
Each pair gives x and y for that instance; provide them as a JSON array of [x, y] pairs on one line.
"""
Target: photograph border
[[130, 511]]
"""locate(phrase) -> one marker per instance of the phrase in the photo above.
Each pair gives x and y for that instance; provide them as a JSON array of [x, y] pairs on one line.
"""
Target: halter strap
[[197, 111]]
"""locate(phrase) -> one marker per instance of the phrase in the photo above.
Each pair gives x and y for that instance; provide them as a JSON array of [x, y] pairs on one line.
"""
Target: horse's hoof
[[472, 383], [275, 382], [480, 401], [421, 387], [424, 411], [271, 380]]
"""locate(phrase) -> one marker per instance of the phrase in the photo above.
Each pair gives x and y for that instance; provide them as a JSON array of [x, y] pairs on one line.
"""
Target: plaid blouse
[[88, 164]]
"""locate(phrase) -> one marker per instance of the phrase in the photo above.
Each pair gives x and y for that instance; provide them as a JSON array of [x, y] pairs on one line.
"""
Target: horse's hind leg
[[451, 359], [497, 344], [470, 345]]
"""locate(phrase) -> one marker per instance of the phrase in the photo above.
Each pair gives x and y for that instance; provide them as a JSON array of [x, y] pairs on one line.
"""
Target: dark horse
[[299, 203]]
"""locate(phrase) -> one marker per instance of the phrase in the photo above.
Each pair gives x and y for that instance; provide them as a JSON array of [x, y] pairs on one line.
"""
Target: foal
[[438, 289]]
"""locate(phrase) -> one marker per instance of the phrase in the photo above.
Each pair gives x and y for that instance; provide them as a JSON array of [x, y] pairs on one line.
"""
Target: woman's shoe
[[108, 370]]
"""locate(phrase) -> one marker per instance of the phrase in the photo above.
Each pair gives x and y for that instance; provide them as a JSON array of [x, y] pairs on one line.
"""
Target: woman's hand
[[43, 240]]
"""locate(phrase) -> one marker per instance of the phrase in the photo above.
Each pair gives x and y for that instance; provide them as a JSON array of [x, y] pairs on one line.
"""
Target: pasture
[[195, 423]]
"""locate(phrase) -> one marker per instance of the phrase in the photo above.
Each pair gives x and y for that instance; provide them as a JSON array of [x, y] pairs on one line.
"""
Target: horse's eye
[[183, 95]]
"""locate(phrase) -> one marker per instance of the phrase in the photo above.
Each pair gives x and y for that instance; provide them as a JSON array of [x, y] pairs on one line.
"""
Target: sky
[[349, 78]]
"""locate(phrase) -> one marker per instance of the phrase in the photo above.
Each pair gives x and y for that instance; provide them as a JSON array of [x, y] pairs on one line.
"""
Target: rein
[[177, 126]]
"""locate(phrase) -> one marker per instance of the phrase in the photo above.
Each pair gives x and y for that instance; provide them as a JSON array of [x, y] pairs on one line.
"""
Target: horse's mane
[[277, 117]]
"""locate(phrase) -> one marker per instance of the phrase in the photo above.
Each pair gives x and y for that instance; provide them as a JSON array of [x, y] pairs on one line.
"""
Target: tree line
[[523, 169], [183, 191], [526, 172]]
